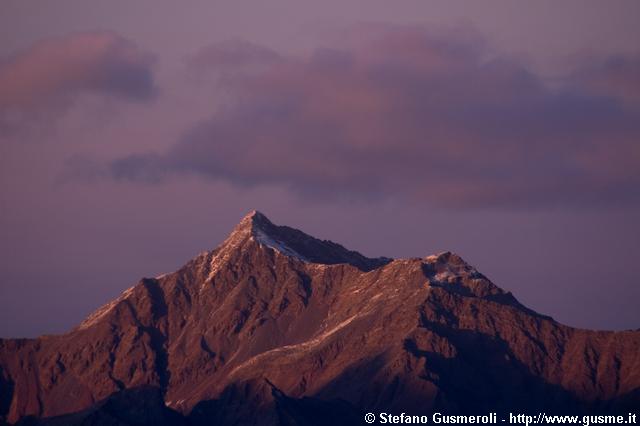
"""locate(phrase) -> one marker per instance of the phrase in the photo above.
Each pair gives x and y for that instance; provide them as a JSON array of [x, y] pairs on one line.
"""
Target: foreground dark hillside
[[277, 327]]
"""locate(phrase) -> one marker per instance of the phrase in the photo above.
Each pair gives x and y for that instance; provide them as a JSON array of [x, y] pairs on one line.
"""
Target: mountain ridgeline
[[275, 327]]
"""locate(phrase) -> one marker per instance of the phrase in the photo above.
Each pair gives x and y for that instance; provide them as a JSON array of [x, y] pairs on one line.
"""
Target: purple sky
[[134, 135]]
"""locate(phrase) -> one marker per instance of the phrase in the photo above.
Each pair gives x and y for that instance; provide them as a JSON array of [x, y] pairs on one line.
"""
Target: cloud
[[48, 76], [232, 55], [406, 113], [617, 76]]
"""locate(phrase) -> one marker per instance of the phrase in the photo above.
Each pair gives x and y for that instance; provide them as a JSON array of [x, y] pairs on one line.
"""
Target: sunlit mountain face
[[274, 324]]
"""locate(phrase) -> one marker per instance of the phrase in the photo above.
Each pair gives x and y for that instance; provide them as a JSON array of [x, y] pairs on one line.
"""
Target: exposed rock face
[[277, 327]]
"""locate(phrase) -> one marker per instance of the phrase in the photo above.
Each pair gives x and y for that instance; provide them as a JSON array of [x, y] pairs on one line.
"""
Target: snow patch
[[266, 240], [444, 276], [300, 346]]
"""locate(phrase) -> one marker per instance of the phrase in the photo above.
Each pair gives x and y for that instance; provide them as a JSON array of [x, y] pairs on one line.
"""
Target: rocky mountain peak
[[256, 227], [253, 220], [255, 333]]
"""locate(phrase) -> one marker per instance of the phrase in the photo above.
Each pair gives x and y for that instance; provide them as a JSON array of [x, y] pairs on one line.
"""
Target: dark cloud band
[[412, 115]]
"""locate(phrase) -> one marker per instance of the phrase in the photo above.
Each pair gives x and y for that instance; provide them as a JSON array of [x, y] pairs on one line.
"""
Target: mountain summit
[[277, 327], [294, 243]]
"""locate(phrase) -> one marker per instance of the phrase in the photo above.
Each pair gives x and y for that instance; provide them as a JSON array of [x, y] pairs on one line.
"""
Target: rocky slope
[[277, 327]]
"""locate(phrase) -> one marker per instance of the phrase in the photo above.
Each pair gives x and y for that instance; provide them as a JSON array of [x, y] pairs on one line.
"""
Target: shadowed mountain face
[[277, 327]]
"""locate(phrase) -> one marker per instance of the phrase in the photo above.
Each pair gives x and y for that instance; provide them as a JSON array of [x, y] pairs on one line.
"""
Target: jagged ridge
[[295, 243], [275, 324]]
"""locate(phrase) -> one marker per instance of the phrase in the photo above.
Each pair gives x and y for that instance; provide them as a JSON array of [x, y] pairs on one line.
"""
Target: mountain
[[277, 327]]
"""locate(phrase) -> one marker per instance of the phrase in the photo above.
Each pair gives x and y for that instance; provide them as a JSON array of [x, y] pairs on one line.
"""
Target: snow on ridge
[[101, 312], [234, 240], [266, 240]]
